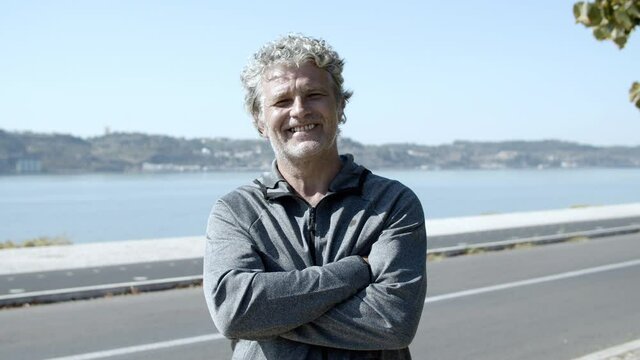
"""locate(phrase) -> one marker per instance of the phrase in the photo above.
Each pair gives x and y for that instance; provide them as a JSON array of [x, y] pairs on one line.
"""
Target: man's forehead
[[285, 72], [279, 73]]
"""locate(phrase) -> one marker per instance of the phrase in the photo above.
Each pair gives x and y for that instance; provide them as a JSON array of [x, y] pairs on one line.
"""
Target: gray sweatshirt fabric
[[285, 280]]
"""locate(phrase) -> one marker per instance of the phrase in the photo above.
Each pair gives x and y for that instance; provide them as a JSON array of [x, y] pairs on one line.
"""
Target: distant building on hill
[[28, 166]]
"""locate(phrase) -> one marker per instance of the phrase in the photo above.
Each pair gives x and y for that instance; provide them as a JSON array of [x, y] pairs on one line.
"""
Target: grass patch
[[436, 257], [524, 245], [475, 251], [578, 239], [36, 242]]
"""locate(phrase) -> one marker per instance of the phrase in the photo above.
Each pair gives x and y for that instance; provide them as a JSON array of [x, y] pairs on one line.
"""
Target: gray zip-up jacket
[[285, 280]]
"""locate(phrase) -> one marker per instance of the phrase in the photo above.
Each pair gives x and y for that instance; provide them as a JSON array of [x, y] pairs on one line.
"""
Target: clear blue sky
[[427, 72]]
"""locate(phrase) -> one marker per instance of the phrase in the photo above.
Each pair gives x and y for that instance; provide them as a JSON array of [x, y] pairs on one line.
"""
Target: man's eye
[[315, 95], [282, 103]]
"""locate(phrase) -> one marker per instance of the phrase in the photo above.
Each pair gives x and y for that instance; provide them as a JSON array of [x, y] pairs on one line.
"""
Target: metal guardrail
[[88, 292]]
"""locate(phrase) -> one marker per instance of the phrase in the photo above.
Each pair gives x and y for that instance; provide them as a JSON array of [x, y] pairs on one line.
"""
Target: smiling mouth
[[302, 128]]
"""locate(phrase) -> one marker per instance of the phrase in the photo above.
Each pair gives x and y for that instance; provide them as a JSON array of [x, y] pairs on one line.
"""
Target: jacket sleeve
[[384, 315], [246, 302]]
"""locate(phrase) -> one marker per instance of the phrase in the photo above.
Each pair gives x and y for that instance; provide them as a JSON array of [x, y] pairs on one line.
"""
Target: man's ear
[[341, 107], [260, 125]]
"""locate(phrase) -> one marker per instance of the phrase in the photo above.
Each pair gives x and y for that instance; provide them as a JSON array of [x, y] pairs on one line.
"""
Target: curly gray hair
[[292, 49]]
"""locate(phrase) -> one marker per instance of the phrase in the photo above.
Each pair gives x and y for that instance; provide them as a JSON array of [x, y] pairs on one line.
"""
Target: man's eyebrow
[[277, 95], [318, 90], [314, 88]]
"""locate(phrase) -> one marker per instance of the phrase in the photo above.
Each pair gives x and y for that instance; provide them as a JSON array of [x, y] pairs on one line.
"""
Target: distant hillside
[[26, 152]]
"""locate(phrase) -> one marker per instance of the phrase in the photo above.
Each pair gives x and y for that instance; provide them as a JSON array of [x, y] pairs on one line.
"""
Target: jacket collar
[[350, 178]]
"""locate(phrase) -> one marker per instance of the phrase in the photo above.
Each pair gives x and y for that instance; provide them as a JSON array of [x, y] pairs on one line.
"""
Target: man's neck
[[311, 178]]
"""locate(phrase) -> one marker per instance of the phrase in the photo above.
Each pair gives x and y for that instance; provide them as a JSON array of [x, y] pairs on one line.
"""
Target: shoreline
[[259, 170]]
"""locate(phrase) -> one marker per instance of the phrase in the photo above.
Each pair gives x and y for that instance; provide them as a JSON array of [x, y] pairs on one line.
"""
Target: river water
[[110, 207]]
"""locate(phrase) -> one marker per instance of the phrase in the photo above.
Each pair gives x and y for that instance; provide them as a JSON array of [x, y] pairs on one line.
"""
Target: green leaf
[[580, 12], [619, 37], [602, 32], [634, 11], [620, 40], [623, 19], [595, 15], [634, 94]]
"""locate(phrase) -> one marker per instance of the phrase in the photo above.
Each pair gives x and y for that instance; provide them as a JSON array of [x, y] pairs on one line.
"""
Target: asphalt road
[[62, 279], [551, 302], [53, 280]]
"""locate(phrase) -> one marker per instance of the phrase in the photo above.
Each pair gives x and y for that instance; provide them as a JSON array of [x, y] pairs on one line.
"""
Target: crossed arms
[[344, 304]]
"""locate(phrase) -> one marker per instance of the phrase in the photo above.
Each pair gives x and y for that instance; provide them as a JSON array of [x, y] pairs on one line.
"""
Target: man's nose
[[299, 107]]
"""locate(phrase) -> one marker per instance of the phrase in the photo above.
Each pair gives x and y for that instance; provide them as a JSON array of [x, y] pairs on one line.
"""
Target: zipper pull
[[312, 222]]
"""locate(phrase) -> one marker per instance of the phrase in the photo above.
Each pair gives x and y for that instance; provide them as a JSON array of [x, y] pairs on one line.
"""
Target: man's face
[[300, 112]]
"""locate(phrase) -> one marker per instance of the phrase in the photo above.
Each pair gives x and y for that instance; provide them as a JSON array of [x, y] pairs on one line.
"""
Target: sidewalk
[[436, 227], [51, 258]]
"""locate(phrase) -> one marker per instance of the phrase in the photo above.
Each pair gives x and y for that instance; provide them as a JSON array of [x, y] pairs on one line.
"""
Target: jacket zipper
[[312, 233], [312, 225], [312, 222]]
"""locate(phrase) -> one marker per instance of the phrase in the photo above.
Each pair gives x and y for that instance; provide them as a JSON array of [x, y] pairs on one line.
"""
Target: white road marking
[[139, 278], [69, 273], [538, 280], [619, 350], [432, 299], [16, 291], [141, 348]]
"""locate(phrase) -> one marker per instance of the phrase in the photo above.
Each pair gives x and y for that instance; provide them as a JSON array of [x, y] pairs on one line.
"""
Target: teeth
[[303, 128]]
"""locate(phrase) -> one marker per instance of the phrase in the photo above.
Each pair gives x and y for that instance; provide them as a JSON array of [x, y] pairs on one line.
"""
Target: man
[[320, 258]]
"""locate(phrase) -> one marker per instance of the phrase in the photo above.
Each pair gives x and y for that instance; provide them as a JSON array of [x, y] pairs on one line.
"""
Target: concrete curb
[[88, 292], [536, 240], [627, 351]]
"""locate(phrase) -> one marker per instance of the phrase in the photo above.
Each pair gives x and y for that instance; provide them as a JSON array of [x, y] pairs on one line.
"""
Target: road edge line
[[532, 281], [612, 351], [141, 348]]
